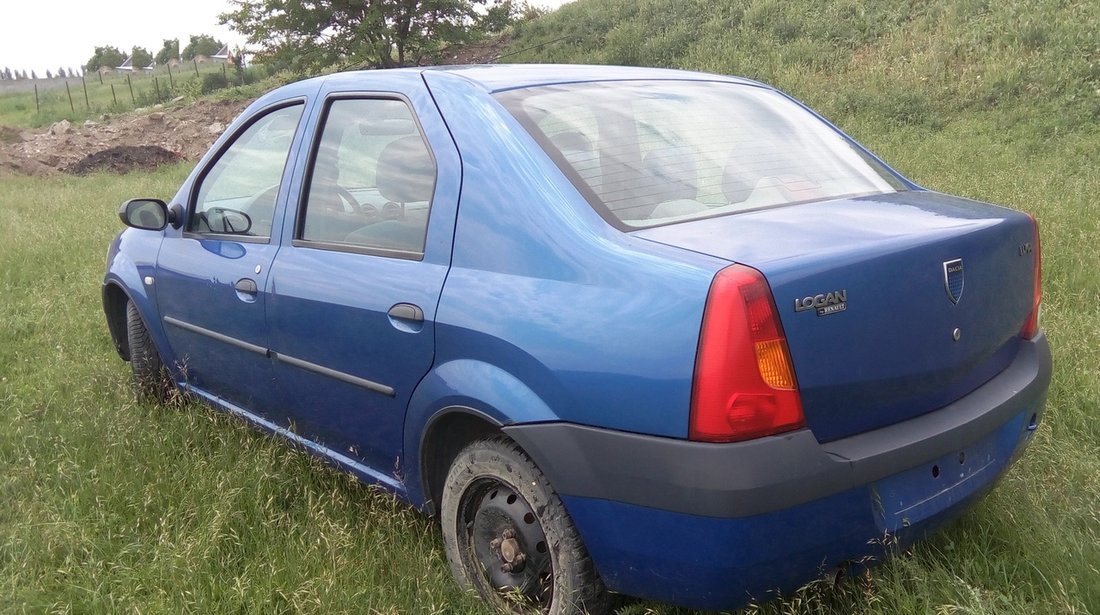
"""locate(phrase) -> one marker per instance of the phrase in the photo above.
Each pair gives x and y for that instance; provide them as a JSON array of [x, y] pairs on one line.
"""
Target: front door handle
[[407, 311], [246, 286]]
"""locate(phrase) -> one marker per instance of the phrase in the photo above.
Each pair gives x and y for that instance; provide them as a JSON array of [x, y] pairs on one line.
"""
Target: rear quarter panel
[[599, 327]]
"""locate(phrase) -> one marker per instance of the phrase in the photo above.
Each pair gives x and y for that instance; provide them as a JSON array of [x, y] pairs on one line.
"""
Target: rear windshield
[[651, 153]]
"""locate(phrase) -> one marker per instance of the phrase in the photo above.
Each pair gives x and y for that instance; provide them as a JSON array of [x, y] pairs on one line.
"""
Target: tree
[[202, 45], [108, 57], [49, 74], [379, 33], [141, 57], [34, 75], [61, 72], [169, 51]]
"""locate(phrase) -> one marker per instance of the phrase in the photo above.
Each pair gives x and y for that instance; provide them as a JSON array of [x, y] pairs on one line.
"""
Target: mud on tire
[[509, 538]]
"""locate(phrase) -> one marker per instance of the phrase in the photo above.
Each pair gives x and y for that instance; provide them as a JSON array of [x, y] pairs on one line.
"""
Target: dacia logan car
[[623, 330]]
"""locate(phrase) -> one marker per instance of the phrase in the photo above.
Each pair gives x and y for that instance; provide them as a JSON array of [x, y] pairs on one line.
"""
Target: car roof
[[501, 77]]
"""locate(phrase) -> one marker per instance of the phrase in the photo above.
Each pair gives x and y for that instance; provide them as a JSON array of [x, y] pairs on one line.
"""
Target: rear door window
[[371, 180]]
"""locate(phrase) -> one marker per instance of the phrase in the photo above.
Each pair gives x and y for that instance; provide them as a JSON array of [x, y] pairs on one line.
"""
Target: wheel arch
[[114, 308], [457, 402], [448, 432]]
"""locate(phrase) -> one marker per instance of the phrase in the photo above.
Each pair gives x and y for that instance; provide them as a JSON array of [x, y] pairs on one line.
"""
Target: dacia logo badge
[[953, 279]]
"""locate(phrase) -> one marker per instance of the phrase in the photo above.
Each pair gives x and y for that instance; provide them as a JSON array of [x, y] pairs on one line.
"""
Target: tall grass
[[111, 506]]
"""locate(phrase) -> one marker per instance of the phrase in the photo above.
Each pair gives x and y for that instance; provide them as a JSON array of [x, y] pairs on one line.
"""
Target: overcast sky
[[39, 35]]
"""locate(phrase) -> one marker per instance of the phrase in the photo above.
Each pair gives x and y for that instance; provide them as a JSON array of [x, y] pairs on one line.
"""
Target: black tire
[[508, 537], [151, 380]]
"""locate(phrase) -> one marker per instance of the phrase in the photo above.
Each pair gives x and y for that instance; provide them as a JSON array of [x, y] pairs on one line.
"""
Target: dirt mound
[[10, 134], [184, 130], [123, 159]]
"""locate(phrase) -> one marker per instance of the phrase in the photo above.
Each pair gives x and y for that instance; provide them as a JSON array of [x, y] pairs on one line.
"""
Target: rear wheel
[[151, 380], [509, 538]]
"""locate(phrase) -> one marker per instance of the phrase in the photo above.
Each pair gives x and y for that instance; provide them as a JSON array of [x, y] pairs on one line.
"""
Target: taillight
[[1031, 325], [744, 382]]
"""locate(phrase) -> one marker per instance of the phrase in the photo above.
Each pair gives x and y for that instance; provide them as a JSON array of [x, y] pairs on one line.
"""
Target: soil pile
[[142, 139], [123, 159]]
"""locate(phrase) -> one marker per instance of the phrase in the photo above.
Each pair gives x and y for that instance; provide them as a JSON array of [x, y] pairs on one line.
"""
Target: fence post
[[195, 61], [225, 75], [97, 71], [156, 86], [171, 82], [113, 97], [37, 106], [131, 85], [85, 84], [69, 92]]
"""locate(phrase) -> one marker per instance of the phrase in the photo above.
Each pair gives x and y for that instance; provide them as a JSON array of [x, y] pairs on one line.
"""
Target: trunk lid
[[864, 289]]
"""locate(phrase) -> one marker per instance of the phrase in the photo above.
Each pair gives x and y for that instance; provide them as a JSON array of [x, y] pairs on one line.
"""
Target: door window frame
[[307, 179], [192, 201]]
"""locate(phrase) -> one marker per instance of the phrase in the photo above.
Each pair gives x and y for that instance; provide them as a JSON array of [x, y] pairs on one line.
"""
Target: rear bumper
[[714, 525]]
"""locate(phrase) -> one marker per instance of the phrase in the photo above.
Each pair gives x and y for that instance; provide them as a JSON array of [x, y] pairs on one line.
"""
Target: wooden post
[[113, 97], [131, 85], [85, 84], [225, 75], [195, 61], [100, 76], [37, 106], [156, 86], [69, 92], [171, 82]]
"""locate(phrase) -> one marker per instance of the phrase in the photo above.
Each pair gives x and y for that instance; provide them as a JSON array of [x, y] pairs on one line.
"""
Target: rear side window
[[651, 153], [237, 194], [371, 181]]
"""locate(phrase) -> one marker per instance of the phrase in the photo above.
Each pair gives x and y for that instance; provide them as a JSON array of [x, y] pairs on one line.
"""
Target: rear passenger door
[[354, 294]]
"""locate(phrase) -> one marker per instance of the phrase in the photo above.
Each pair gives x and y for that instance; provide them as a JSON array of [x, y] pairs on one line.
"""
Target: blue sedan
[[622, 330]]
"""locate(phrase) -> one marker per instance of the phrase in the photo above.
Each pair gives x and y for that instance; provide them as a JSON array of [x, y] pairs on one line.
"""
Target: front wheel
[[151, 379], [509, 538]]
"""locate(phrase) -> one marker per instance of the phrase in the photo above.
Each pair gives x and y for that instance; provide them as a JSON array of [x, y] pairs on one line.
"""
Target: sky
[[43, 35]]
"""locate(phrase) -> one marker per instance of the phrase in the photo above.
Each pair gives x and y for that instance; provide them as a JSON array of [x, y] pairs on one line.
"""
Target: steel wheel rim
[[506, 545]]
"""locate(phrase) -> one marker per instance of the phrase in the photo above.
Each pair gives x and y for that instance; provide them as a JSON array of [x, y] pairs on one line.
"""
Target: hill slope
[[995, 101], [921, 62]]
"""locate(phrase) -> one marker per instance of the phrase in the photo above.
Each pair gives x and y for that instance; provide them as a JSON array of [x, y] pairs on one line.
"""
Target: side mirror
[[149, 214], [228, 221]]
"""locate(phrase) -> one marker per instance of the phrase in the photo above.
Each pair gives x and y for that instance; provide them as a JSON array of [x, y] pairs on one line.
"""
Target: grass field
[[113, 506], [113, 93]]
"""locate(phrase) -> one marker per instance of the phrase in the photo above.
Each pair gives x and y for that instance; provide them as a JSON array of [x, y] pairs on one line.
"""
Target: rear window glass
[[651, 153]]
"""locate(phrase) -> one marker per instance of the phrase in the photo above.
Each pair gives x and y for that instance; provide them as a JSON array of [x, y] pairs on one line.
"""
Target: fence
[[88, 96]]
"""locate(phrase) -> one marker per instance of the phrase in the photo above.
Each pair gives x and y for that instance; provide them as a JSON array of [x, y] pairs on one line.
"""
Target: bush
[[212, 82]]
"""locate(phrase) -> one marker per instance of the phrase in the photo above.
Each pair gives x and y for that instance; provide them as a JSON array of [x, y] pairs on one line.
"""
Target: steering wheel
[[262, 204]]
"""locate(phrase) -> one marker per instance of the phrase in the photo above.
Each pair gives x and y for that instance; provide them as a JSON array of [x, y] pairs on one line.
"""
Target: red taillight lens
[[744, 382], [1031, 325]]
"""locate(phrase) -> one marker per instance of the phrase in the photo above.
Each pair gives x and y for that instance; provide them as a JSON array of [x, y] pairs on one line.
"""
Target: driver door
[[211, 278]]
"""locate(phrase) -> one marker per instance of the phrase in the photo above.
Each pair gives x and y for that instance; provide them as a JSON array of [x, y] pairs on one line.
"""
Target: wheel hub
[[508, 542], [508, 549]]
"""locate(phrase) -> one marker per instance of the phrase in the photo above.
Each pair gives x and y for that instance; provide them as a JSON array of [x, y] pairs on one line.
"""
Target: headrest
[[673, 172], [406, 173], [571, 141]]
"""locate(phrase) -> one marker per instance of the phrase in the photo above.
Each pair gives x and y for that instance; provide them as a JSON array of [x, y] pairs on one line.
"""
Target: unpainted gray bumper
[[768, 474]]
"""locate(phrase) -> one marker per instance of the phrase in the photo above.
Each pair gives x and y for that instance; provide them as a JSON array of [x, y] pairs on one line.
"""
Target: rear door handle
[[407, 311], [246, 286]]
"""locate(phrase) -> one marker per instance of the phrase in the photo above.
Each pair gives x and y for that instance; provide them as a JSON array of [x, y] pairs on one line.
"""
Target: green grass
[[111, 506], [118, 93]]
